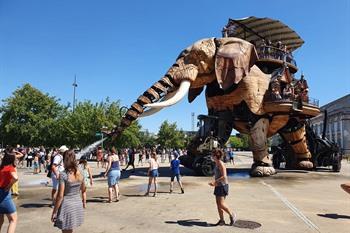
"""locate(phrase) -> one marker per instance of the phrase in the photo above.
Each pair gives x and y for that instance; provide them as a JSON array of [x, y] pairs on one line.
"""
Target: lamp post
[[74, 86], [103, 128]]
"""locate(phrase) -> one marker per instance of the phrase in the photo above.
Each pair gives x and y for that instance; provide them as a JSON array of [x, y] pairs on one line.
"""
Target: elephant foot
[[304, 165], [260, 169]]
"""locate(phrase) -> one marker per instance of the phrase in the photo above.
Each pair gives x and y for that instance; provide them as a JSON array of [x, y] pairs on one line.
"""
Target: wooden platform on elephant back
[[288, 106]]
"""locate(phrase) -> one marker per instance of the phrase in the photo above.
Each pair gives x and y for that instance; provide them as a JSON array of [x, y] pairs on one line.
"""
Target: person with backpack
[[56, 168], [42, 159], [30, 158]]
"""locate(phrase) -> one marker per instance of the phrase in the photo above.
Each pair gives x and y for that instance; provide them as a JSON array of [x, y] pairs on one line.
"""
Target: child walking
[[36, 163], [175, 172]]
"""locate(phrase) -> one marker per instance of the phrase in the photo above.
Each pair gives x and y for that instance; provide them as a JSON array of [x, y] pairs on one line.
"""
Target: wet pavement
[[290, 201]]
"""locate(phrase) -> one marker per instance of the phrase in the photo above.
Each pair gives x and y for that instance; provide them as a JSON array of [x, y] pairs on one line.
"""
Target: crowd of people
[[128, 156]]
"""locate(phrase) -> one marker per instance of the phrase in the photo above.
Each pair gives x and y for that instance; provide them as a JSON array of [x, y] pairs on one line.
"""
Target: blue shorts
[[6, 203], [154, 173], [221, 191], [173, 177], [113, 177]]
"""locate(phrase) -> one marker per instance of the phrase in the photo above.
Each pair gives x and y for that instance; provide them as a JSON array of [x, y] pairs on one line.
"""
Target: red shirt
[[5, 175]]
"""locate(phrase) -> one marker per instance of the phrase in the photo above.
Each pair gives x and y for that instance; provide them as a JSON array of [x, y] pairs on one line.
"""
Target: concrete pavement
[[291, 201]]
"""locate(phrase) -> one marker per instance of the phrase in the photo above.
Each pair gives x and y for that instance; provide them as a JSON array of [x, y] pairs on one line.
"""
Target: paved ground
[[291, 201]]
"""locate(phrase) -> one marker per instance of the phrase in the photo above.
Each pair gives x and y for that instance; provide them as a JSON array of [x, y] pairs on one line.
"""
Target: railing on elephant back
[[305, 105], [271, 53], [283, 98], [313, 102]]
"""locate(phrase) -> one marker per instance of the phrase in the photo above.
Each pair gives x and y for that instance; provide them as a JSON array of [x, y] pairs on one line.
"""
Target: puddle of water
[[247, 224], [160, 186], [34, 183], [238, 175]]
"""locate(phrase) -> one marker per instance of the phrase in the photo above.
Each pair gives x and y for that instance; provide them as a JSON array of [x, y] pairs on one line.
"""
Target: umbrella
[[255, 29]]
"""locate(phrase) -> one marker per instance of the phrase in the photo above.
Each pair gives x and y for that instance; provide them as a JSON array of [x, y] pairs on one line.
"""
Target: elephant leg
[[262, 165], [297, 141]]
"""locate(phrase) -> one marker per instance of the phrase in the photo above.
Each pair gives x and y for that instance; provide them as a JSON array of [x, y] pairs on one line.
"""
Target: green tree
[[32, 118], [170, 137], [245, 141], [147, 139], [80, 127], [235, 142], [28, 117]]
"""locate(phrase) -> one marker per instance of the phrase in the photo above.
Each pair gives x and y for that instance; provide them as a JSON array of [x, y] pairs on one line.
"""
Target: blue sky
[[120, 48]]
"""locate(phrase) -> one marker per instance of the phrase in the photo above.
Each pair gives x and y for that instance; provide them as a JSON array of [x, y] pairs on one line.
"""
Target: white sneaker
[[233, 219]]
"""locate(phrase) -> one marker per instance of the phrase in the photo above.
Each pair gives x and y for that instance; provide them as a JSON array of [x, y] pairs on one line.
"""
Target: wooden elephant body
[[235, 84]]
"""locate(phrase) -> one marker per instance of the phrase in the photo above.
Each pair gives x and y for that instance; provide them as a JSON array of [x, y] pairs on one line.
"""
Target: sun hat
[[63, 149]]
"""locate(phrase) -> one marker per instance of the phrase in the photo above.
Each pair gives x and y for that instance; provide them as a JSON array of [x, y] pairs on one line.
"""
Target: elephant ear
[[233, 61], [193, 93]]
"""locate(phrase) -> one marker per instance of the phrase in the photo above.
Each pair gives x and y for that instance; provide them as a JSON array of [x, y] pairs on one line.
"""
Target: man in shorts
[[57, 167]]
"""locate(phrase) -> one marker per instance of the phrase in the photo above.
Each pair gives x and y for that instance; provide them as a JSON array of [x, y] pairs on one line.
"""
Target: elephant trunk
[[151, 95]]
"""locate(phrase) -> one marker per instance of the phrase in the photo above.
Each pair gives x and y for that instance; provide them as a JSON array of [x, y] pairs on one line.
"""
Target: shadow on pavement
[[143, 195], [334, 216], [134, 195], [97, 200], [163, 172], [282, 170], [189, 223], [35, 205]]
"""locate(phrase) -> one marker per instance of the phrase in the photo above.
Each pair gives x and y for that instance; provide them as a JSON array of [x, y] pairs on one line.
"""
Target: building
[[338, 123]]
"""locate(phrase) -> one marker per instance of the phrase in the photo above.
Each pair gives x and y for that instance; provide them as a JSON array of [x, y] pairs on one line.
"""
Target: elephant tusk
[[152, 111], [182, 91]]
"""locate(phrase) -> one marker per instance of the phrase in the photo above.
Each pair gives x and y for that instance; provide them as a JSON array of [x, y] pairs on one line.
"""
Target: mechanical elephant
[[235, 87]]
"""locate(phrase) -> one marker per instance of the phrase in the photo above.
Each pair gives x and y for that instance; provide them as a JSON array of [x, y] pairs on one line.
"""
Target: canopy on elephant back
[[255, 30]]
